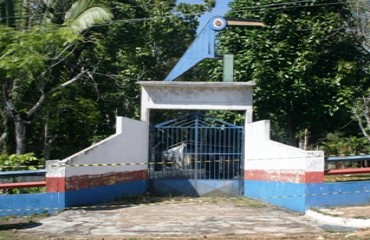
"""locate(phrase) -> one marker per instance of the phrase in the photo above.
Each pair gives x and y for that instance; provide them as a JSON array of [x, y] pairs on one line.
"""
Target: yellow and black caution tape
[[118, 164]]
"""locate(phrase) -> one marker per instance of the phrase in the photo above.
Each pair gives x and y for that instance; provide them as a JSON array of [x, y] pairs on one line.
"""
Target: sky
[[220, 10]]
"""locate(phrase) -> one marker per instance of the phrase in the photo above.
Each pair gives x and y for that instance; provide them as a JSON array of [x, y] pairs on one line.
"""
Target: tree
[[82, 15], [361, 18], [143, 43], [35, 59], [307, 66]]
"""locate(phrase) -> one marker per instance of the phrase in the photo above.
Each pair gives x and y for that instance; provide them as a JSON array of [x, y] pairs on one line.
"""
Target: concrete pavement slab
[[184, 218]]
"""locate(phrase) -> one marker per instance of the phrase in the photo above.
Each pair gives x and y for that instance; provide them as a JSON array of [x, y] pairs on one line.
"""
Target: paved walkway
[[186, 218]]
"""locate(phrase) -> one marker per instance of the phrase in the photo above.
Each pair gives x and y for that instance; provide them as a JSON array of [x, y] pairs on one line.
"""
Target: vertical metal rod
[[220, 157], [235, 151], [176, 155], [196, 150], [216, 155], [241, 163], [168, 134]]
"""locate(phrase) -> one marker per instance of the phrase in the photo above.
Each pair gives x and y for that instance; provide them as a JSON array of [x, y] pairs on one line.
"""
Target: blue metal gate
[[196, 155]]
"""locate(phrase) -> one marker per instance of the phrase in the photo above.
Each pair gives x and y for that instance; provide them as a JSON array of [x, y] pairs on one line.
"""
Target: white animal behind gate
[[177, 157]]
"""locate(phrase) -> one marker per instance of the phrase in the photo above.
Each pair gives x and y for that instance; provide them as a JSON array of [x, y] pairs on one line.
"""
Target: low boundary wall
[[292, 178], [106, 171], [117, 167], [99, 174]]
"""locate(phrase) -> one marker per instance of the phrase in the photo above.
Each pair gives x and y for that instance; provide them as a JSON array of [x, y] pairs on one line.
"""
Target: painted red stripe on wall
[[89, 181], [55, 184], [61, 184], [291, 176]]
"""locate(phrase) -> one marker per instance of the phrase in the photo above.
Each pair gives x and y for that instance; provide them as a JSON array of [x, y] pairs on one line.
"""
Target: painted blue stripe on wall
[[27, 204], [286, 195], [300, 196], [104, 194], [338, 194]]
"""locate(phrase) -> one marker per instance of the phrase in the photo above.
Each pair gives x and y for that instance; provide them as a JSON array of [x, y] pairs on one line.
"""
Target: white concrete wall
[[128, 145], [261, 153]]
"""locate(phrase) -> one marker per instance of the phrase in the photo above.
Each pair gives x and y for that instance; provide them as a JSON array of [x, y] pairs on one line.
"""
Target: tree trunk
[[291, 129], [20, 135], [48, 139], [10, 20]]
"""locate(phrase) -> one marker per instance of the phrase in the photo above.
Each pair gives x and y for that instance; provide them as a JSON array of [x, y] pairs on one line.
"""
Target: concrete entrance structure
[[118, 166], [198, 96], [273, 172]]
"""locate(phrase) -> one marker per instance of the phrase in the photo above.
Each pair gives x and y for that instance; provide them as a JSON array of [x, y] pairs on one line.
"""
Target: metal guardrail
[[23, 173], [22, 185], [23, 179], [342, 171], [347, 158]]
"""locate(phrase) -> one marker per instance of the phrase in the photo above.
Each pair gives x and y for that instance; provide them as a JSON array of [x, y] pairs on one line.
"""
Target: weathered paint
[[106, 179], [273, 170], [261, 153], [277, 173], [55, 184], [62, 184], [291, 176], [97, 184]]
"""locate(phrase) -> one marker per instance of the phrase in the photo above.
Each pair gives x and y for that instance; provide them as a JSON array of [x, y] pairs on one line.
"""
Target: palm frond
[[85, 13]]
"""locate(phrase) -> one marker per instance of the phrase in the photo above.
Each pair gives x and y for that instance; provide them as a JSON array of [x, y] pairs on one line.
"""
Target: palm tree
[[82, 15], [85, 13]]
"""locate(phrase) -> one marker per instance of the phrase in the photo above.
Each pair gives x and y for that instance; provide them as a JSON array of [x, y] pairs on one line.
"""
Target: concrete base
[[191, 187]]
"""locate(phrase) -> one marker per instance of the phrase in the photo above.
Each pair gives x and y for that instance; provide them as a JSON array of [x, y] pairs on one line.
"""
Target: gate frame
[[199, 122], [232, 96]]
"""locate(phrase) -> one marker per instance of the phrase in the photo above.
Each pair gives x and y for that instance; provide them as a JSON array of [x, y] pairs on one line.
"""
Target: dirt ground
[[177, 218]]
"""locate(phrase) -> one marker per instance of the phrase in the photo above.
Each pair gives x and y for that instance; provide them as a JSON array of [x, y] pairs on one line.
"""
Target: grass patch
[[325, 212], [361, 217], [235, 201], [347, 178]]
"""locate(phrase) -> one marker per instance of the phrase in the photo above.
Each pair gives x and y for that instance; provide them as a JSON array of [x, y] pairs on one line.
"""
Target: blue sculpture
[[204, 45]]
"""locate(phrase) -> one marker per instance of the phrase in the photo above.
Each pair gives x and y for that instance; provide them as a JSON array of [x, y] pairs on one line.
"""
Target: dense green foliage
[[307, 63], [15, 162], [336, 144], [69, 67]]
